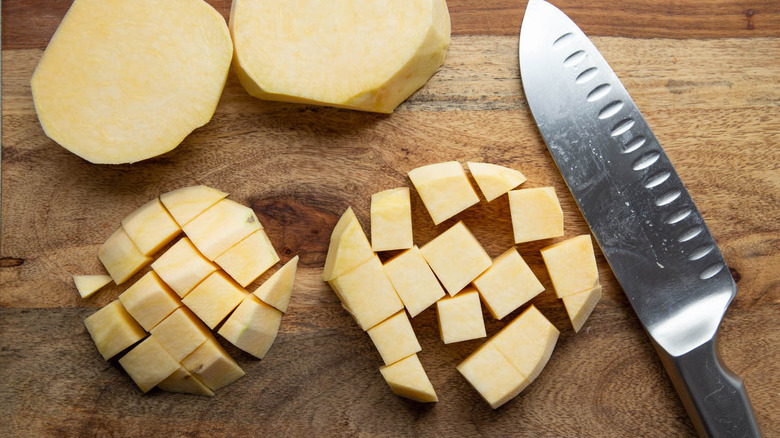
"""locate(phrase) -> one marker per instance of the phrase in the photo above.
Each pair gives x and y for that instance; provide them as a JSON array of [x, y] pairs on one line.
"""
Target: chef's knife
[[639, 211]]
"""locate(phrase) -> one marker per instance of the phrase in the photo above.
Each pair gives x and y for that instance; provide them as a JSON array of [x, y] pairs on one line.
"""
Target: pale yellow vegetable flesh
[[408, 379], [571, 265], [348, 247], [113, 329], [414, 281], [121, 257], [249, 258], [150, 227], [182, 267], [119, 83], [508, 362], [456, 257], [148, 364], [212, 365], [149, 300], [460, 317], [220, 227], [367, 293], [494, 180], [214, 298], [444, 189], [186, 203], [367, 55], [89, 284], [277, 290], [536, 214], [252, 327], [181, 333], [391, 220], [579, 306], [183, 382], [394, 338], [507, 284]]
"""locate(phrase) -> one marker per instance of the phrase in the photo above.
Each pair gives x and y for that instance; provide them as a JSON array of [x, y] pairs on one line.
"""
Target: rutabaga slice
[[121, 82], [367, 55]]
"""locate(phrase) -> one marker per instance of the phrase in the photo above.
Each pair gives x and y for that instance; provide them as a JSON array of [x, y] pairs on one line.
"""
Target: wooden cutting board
[[706, 76]]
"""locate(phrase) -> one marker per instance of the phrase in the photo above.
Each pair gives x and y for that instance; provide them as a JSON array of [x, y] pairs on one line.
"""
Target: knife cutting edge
[[639, 211]]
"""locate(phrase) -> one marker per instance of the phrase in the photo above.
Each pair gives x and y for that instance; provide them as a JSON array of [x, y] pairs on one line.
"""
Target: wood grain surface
[[707, 78]]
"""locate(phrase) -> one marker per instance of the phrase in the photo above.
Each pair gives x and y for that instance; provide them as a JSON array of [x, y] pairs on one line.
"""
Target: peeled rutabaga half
[[367, 55], [122, 80]]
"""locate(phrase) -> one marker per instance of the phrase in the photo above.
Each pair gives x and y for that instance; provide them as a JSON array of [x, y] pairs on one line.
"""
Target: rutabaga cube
[[391, 220], [249, 258], [252, 327], [394, 338], [149, 300], [220, 227], [571, 265], [182, 267], [113, 329], [367, 293], [121, 258], [460, 317], [148, 364], [150, 227], [536, 214], [214, 298], [348, 247], [507, 284], [456, 257], [408, 379], [444, 189], [414, 281]]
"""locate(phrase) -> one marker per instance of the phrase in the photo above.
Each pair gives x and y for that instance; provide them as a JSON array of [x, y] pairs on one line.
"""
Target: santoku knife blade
[[639, 211]]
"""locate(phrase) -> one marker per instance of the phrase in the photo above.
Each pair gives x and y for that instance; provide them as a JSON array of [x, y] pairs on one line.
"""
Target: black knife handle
[[715, 397]]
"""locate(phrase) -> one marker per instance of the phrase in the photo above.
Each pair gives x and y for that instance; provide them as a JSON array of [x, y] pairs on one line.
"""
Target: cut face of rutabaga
[[507, 284], [460, 317], [150, 227], [121, 257], [414, 281], [249, 258], [444, 189], [252, 327], [89, 284], [579, 306], [367, 55], [391, 220], [348, 247], [182, 267], [456, 257], [220, 227], [113, 329], [492, 375], [536, 214], [394, 338], [149, 300], [571, 265], [120, 82], [408, 379], [148, 364], [495, 180], [186, 203], [277, 290], [184, 382], [214, 298], [181, 333], [212, 365], [367, 293]]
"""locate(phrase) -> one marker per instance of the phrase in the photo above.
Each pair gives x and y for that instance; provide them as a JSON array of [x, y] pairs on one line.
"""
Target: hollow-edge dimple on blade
[[639, 211]]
